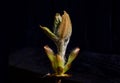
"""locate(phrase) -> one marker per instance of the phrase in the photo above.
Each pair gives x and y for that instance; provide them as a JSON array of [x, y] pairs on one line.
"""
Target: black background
[[95, 24]]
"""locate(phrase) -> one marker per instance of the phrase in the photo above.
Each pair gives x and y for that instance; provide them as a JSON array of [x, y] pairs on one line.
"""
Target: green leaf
[[60, 64], [67, 67], [51, 56], [49, 52], [71, 57], [57, 22], [49, 33]]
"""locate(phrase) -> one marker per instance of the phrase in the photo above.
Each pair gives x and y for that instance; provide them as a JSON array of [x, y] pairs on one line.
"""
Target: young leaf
[[65, 28], [71, 57], [49, 33], [67, 67], [57, 22], [60, 64], [50, 53], [51, 57]]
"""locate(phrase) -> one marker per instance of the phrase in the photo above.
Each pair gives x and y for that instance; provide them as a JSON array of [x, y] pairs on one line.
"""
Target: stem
[[58, 80], [61, 47]]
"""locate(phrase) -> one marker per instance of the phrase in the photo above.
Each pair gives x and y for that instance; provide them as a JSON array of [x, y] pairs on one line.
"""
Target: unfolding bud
[[60, 64], [65, 27], [62, 31]]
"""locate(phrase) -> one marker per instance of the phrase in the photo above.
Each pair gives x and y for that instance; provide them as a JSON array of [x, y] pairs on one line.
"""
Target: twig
[[58, 80]]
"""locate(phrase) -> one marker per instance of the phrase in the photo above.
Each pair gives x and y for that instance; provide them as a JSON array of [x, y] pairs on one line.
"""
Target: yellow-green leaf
[[57, 22], [49, 52], [60, 60], [60, 64], [66, 68], [65, 27], [71, 57], [49, 33], [51, 56]]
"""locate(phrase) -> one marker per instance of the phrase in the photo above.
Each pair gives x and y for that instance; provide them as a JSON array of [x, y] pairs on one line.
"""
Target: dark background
[[95, 26]]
